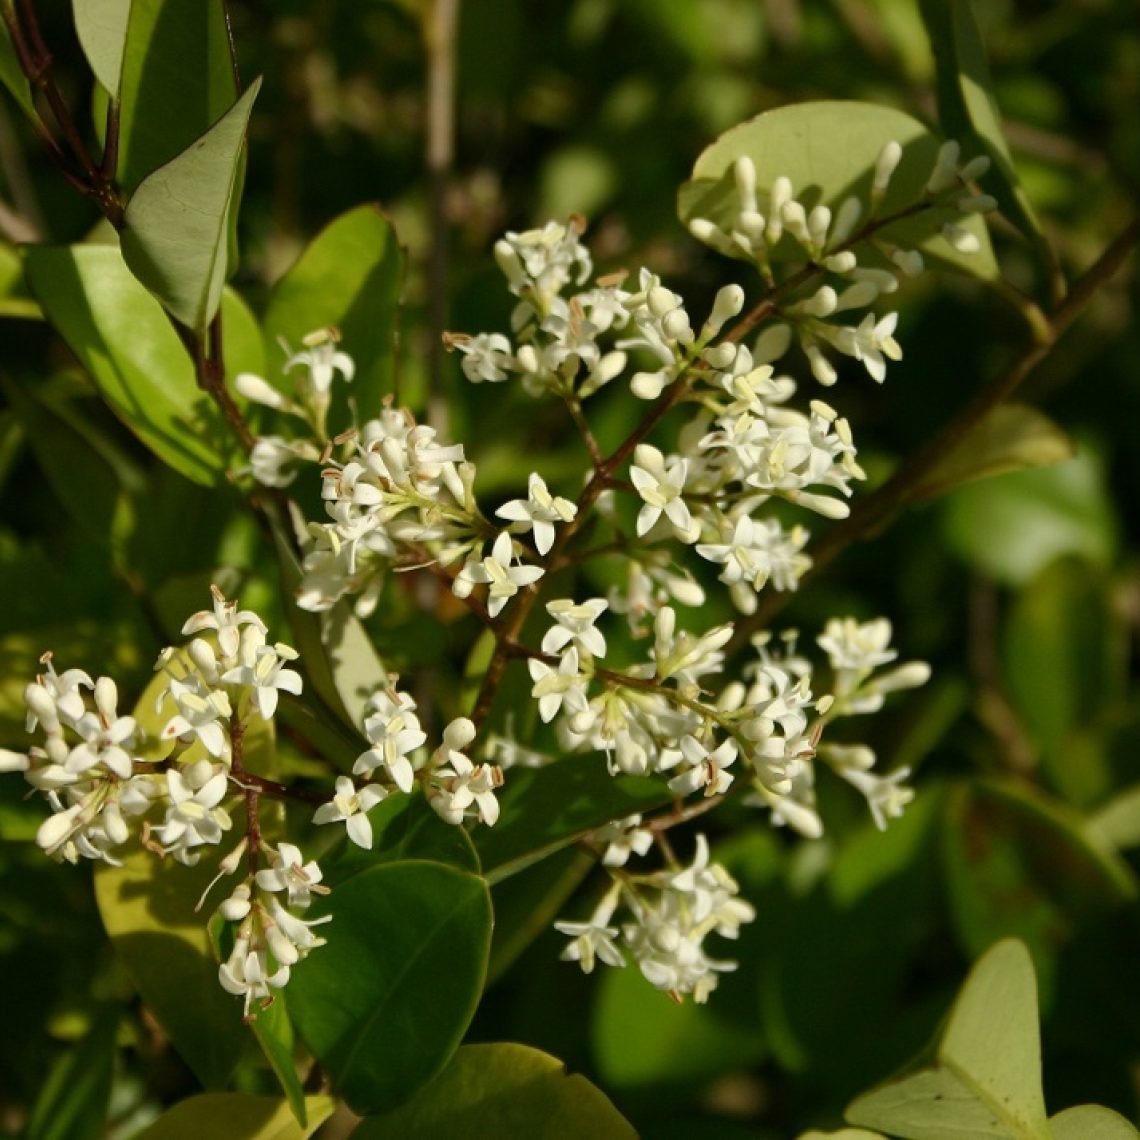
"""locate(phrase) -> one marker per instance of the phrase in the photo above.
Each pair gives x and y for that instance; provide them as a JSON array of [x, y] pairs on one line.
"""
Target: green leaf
[[987, 1079], [349, 278], [1013, 526], [1091, 1122], [177, 81], [357, 670], [147, 906], [12, 77], [175, 237], [274, 1032], [124, 340], [494, 1091], [224, 1115], [1118, 822], [1018, 864], [1011, 438], [385, 1004], [15, 304], [828, 150], [544, 809], [966, 105], [843, 1134], [72, 1105], [101, 26]]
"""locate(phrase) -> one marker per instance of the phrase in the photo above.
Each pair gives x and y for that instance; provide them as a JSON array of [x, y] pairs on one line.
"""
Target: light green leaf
[[124, 340], [966, 105], [1012, 526], [494, 1091], [15, 304], [177, 81], [385, 1004], [843, 1134], [987, 1079], [1091, 1122], [356, 668], [12, 77], [1118, 822], [1011, 438], [101, 26], [147, 906], [274, 1032], [828, 150], [349, 278], [224, 1115], [175, 239], [72, 1105], [543, 810]]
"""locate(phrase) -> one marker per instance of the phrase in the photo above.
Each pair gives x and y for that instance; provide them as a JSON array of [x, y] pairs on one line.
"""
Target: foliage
[[207, 349]]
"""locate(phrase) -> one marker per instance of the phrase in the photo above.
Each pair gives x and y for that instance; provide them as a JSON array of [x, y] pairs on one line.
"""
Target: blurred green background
[[1021, 591]]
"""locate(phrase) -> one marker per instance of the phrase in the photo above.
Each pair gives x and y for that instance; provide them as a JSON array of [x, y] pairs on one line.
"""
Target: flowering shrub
[[624, 675]]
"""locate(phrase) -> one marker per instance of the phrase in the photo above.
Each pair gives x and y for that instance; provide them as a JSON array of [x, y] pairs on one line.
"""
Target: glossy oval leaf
[[384, 1005], [274, 1032], [101, 26], [987, 1079], [224, 1115], [125, 341], [967, 108], [177, 80], [828, 150], [176, 229], [494, 1091], [1013, 437], [544, 809], [349, 278]]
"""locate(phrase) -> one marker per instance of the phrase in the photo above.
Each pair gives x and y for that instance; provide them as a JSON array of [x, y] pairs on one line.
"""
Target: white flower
[[291, 938], [870, 343], [458, 784], [555, 687], [540, 511], [575, 624], [323, 361], [706, 769], [226, 620], [262, 667], [350, 807], [496, 570], [246, 973], [107, 737], [661, 487], [886, 796], [291, 874], [193, 817], [594, 940], [395, 732], [623, 838], [488, 356], [200, 710], [855, 646]]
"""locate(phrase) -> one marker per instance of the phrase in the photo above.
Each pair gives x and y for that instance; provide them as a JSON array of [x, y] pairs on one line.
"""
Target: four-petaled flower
[[496, 570], [661, 485], [539, 511], [350, 807]]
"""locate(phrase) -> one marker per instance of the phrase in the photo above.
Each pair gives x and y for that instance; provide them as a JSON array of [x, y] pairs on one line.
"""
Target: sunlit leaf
[[274, 1032], [1091, 1122], [348, 278], [494, 1091], [124, 340], [238, 1114], [385, 1004], [1011, 438], [174, 240], [177, 81], [966, 105], [987, 1078], [828, 150], [101, 26]]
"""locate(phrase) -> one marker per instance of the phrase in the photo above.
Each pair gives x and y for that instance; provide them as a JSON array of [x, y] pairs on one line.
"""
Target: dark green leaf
[[385, 1004], [124, 340], [966, 105], [349, 278], [828, 150], [274, 1032], [544, 809], [489, 1092], [12, 77], [225, 1115], [1011, 438], [102, 29], [175, 239], [177, 81], [72, 1105]]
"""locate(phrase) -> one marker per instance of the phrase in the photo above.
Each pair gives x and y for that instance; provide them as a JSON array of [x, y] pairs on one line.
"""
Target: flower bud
[[258, 391], [885, 166], [945, 172], [744, 172]]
